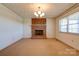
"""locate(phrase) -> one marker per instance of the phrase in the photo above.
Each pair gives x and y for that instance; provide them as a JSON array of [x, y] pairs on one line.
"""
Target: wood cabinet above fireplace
[[38, 20]]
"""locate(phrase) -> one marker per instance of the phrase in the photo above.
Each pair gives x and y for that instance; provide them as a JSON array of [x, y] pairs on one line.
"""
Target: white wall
[[27, 28], [70, 39], [50, 30], [11, 27]]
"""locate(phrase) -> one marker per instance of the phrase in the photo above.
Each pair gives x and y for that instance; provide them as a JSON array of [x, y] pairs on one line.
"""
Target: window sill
[[70, 33]]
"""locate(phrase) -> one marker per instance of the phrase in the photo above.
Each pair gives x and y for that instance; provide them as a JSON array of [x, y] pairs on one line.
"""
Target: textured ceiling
[[26, 10]]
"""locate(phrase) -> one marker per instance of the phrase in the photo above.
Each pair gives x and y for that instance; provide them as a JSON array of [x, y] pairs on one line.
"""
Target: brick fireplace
[[38, 28]]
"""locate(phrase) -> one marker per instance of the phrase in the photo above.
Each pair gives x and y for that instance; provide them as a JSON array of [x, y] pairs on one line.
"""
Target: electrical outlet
[[72, 40]]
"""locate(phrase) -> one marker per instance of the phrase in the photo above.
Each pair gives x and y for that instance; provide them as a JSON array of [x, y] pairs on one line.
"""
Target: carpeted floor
[[39, 47]]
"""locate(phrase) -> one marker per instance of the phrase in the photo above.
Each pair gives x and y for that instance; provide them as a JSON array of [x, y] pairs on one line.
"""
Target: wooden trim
[[63, 43], [11, 44], [68, 10], [77, 51]]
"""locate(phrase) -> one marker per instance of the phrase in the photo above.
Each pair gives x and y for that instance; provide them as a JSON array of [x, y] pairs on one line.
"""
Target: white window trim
[[67, 27]]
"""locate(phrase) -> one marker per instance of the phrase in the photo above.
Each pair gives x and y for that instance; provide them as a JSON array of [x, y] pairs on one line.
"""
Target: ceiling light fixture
[[39, 13]]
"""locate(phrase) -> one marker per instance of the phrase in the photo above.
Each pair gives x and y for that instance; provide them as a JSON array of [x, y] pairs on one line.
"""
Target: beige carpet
[[39, 47]]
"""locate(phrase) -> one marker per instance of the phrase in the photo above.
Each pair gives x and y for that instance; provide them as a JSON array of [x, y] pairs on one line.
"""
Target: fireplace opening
[[39, 32]]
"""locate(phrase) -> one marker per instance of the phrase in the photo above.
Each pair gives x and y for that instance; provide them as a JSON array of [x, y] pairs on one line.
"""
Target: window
[[63, 25], [73, 25], [70, 24]]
